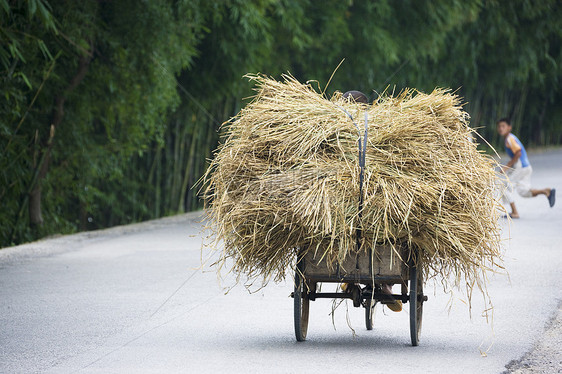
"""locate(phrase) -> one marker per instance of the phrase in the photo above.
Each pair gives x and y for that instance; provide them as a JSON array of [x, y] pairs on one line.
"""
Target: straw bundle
[[287, 178]]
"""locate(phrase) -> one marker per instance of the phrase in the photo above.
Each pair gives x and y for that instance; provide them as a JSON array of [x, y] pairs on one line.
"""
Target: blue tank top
[[512, 145]]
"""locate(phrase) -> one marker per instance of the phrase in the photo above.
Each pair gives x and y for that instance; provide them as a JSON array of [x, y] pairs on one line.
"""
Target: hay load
[[288, 178]]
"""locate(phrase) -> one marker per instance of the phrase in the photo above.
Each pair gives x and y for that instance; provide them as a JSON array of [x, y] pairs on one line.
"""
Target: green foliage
[[133, 52], [139, 126], [508, 64]]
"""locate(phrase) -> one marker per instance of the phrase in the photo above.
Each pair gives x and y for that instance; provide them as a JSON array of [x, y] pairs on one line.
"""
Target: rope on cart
[[362, 155]]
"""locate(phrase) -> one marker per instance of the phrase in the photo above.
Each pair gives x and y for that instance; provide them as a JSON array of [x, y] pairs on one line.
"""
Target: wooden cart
[[365, 272]]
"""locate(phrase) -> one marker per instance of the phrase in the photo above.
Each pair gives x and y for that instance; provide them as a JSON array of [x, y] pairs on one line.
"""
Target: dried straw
[[287, 177]]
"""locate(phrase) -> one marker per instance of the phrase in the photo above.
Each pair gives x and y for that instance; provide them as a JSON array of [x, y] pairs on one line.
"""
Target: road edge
[[63, 243], [545, 356]]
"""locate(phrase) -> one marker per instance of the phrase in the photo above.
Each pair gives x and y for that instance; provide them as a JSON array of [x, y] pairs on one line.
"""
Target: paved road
[[130, 300]]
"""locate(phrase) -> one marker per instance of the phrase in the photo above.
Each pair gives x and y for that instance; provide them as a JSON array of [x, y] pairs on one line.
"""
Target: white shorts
[[520, 181]]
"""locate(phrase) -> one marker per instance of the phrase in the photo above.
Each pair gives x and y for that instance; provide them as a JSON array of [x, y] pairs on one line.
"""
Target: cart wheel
[[302, 304], [416, 303], [370, 305]]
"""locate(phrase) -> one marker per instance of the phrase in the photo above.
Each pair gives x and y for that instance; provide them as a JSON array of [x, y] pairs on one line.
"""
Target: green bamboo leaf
[[32, 7], [24, 77], [15, 52], [46, 14], [5, 6], [44, 49]]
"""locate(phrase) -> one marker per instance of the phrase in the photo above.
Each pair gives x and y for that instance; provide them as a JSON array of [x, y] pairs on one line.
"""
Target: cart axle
[[379, 296]]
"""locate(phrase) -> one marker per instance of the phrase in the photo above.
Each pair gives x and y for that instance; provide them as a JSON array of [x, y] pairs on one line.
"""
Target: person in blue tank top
[[519, 170]]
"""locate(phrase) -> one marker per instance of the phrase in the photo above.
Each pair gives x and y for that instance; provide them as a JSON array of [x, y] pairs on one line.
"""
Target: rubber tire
[[416, 304], [370, 305], [302, 304]]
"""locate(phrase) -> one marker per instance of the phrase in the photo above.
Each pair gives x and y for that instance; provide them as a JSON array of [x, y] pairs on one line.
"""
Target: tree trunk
[[35, 216], [41, 169], [188, 170], [537, 133]]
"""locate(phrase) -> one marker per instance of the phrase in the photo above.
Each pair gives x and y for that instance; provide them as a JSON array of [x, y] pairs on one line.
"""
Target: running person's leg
[[507, 194], [524, 189]]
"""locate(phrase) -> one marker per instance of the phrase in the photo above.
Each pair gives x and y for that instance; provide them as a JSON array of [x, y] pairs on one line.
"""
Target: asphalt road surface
[[131, 299]]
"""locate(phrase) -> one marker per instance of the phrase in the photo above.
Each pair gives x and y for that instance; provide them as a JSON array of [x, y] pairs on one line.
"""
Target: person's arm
[[514, 159], [516, 149]]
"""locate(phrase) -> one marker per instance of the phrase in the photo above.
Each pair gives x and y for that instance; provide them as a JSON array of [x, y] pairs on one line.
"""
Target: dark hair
[[357, 96], [505, 119]]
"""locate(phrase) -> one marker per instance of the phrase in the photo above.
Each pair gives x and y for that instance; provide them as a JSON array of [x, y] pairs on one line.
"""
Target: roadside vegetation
[[111, 109]]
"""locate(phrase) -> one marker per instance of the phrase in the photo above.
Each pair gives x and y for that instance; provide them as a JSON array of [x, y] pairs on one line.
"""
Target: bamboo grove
[[111, 109]]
